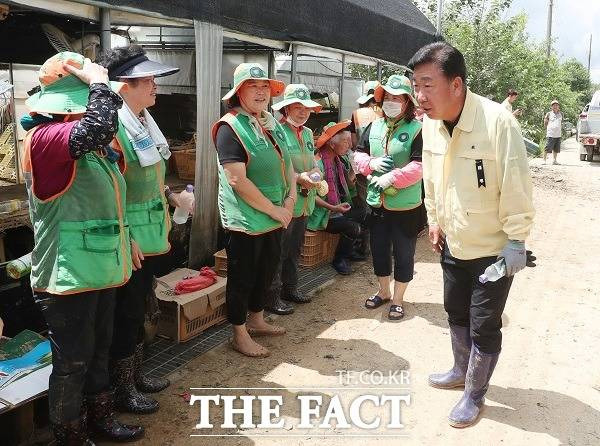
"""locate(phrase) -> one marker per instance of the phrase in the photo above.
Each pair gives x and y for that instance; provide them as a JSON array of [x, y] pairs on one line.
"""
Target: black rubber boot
[[102, 422], [144, 383], [293, 295], [73, 433], [481, 367], [460, 338], [341, 262], [127, 397], [364, 246], [274, 304]]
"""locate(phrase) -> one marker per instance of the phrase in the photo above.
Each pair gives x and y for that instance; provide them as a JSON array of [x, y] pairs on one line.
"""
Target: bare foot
[[248, 347], [257, 326], [262, 328]]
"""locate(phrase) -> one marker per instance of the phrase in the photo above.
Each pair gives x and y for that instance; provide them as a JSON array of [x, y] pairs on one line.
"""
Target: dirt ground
[[546, 387]]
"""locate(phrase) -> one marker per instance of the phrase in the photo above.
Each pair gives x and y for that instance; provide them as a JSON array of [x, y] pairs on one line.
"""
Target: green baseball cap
[[297, 93], [368, 90], [248, 71], [396, 85], [62, 92]]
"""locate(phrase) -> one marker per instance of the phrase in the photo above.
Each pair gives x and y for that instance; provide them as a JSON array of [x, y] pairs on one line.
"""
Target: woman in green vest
[[296, 108], [144, 151], [257, 196], [82, 248], [390, 154]]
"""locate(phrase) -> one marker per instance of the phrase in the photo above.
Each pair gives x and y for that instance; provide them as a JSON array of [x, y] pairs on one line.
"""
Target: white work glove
[[382, 164], [514, 256], [383, 182]]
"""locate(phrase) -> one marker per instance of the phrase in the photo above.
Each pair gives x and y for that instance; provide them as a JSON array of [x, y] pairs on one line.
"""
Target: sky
[[573, 21]]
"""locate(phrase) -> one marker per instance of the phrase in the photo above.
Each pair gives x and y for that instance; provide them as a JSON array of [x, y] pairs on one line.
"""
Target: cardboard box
[[187, 315]]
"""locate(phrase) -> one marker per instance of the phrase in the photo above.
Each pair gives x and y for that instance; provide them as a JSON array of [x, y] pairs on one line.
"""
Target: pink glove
[[407, 176], [362, 160]]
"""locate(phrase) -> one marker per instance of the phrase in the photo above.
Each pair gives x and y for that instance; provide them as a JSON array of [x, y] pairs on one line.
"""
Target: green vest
[[147, 208], [266, 168], [302, 154], [320, 216], [398, 145], [81, 235]]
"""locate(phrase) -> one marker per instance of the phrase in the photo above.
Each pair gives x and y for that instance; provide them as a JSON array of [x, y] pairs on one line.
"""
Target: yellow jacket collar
[[467, 116]]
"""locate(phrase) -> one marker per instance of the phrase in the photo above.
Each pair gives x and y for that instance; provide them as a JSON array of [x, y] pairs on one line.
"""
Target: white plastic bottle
[[186, 200], [494, 272]]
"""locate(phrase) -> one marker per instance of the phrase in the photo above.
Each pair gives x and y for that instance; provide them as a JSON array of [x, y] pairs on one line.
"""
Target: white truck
[[588, 129]]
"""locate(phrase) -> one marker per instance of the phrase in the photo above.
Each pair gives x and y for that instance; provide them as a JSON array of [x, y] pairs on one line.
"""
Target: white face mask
[[392, 109], [294, 123]]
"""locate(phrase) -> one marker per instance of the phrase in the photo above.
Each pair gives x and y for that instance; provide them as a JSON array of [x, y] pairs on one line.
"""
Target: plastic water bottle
[[315, 177], [186, 199], [494, 272]]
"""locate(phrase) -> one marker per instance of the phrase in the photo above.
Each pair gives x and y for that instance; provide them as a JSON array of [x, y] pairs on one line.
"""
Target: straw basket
[[185, 159]]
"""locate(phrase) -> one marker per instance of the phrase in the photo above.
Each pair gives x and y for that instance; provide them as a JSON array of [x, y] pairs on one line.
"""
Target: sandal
[[261, 353], [273, 331], [376, 300], [399, 312]]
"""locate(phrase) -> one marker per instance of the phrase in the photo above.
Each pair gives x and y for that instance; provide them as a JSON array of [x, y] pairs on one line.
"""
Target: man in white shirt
[[553, 124]]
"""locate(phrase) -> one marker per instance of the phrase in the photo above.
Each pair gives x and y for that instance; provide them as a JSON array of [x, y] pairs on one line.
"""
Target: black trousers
[[348, 226], [130, 309], [292, 239], [393, 232], [252, 261], [470, 303], [80, 329]]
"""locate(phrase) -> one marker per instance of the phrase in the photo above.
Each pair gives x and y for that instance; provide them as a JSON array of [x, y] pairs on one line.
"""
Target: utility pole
[[590, 55], [549, 29], [439, 16]]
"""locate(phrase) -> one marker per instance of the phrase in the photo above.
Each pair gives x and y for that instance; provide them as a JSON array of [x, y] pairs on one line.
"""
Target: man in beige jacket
[[479, 207]]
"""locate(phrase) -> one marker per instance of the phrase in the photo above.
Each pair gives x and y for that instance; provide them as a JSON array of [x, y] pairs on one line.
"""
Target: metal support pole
[[294, 64], [549, 28], [271, 68], [590, 55], [379, 67], [205, 223], [105, 40], [342, 87], [14, 119], [440, 4]]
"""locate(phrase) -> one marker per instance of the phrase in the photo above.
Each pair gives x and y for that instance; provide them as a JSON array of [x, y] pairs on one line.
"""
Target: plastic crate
[[319, 247], [312, 244], [330, 242], [221, 263], [308, 261]]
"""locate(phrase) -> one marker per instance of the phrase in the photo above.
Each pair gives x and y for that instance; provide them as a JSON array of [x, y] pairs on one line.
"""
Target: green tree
[[501, 55]]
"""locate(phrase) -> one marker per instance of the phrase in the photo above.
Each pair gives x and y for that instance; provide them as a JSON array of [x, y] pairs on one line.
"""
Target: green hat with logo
[[368, 90], [297, 93], [247, 71], [61, 92], [396, 85]]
